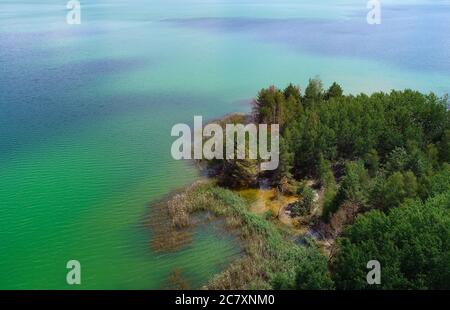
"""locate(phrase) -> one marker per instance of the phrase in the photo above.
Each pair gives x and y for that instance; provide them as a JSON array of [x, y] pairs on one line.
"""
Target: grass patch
[[271, 259]]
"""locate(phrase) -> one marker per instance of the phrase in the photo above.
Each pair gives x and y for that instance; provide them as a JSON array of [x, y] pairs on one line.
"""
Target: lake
[[86, 112]]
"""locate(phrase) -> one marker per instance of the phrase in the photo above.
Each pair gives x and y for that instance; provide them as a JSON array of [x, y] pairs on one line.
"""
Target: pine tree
[[335, 91], [286, 162], [313, 92]]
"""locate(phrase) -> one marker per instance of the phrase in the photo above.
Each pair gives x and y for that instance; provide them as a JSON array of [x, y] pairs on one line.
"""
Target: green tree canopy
[[411, 242]]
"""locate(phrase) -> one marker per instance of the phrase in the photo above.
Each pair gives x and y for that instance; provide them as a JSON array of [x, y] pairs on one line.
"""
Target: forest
[[382, 165]]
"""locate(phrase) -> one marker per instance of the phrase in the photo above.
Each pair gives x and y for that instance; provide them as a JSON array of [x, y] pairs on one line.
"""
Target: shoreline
[[177, 218], [204, 202]]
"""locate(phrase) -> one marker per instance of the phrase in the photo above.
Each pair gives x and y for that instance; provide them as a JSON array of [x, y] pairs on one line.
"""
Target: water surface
[[86, 113]]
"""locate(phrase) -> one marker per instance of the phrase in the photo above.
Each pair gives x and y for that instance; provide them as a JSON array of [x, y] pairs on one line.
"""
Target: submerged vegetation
[[372, 178], [270, 260]]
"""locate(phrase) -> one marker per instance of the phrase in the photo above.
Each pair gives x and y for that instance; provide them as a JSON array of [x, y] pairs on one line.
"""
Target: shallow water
[[86, 113]]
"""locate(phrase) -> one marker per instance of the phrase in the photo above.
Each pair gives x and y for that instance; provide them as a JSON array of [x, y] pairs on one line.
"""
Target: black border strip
[[158, 299]]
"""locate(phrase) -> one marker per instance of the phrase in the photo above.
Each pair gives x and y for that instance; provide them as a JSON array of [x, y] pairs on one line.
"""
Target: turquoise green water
[[86, 113]]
